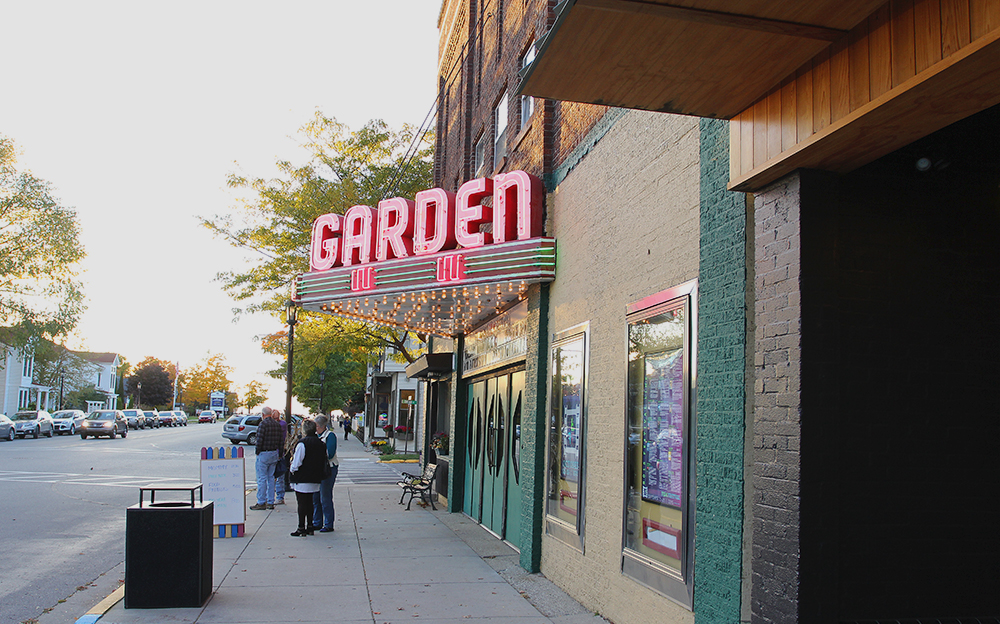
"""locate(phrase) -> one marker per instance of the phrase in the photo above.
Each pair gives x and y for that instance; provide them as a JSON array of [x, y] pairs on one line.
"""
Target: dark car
[[110, 423], [242, 428], [67, 421], [136, 418], [6, 428], [166, 419], [152, 418], [33, 423]]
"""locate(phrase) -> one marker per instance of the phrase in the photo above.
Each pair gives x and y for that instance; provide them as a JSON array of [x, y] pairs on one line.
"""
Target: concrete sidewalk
[[381, 564]]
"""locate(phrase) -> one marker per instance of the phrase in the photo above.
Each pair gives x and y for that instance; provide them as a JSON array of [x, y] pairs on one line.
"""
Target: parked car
[[166, 419], [67, 421], [242, 428], [110, 423], [207, 416], [136, 418], [6, 428], [33, 423], [152, 418], [181, 418]]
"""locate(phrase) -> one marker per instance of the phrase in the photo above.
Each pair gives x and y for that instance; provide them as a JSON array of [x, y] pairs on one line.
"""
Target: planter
[[406, 437]]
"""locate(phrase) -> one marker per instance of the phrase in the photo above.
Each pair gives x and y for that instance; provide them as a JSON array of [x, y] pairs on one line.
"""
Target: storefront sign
[[504, 340], [436, 221]]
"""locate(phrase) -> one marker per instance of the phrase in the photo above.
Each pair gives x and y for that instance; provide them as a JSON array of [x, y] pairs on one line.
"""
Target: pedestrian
[[281, 469], [267, 450], [323, 515], [309, 468], [347, 427]]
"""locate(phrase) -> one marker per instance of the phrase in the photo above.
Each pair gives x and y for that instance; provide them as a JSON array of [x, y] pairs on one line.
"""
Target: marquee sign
[[438, 264]]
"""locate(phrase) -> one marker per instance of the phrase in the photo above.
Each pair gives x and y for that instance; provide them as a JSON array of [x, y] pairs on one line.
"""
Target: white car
[[33, 423], [67, 421]]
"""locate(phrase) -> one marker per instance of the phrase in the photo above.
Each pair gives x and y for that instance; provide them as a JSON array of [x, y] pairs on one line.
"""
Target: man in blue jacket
[[323, 500]]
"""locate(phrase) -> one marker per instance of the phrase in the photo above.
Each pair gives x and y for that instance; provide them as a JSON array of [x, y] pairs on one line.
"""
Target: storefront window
[[659, 497], [567, 434]]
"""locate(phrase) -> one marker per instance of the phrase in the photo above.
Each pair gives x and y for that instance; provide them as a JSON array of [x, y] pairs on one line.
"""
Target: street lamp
[[138, 398], [291, 313]]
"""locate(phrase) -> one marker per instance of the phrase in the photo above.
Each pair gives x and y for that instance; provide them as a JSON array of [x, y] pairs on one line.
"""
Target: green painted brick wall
[[722, 283]]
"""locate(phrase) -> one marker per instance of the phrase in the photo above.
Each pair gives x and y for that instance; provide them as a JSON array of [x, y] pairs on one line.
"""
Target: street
[[64, 502]]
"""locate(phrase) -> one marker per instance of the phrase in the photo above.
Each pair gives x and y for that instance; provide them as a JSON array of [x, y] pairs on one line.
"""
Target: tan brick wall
[[626, 221]]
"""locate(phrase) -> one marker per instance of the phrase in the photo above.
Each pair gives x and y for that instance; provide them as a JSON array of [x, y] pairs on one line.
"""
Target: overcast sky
[[136, 112]]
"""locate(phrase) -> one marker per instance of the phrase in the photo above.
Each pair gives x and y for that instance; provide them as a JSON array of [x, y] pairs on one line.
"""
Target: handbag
[[281, 467]]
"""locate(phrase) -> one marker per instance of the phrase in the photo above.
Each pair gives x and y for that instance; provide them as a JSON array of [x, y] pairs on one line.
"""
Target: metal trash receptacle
[[168, 550]]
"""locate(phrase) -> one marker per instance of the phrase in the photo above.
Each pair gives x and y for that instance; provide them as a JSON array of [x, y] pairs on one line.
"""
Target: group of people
[[308, 459]]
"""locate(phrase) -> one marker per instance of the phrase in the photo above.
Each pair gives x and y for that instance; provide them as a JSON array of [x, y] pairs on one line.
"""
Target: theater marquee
[[440, 264]]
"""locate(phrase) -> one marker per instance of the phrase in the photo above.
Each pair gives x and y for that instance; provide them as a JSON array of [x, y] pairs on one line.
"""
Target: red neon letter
[[325, 247], [470, 213], [357, 244], [363, 278], [451, 268], [435, 211], [517, 206], [395, 229]]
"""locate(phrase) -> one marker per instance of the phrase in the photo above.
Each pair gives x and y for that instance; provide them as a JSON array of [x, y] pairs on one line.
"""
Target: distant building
[[105, 375]]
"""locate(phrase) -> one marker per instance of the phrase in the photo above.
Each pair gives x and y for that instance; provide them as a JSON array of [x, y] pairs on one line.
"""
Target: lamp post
[[291, 313], [138, 398]]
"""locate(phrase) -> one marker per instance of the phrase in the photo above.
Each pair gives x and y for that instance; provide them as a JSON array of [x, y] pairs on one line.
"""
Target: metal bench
[[418, 485]]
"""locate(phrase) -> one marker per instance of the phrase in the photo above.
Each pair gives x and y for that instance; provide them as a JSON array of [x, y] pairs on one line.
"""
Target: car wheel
[[125, 432], [72, 429], [83, 436], [10, 435], [35, 435], [235, 441], [114, 433], [49, 434], [252, 439]]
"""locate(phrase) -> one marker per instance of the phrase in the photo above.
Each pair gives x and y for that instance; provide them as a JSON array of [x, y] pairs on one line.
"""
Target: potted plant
[[439, 442], [404, 433]]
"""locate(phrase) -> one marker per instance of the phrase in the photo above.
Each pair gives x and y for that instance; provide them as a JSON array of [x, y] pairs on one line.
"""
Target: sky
[[136, 112]]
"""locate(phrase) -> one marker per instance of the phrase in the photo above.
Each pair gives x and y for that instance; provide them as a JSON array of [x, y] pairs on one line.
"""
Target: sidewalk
[[381, 564]]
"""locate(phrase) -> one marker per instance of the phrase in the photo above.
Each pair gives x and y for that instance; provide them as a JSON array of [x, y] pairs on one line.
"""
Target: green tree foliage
[[77, 399], [255, 394], [56, 366], [197, 382], [274, 220], [40, 295], [157, 383]]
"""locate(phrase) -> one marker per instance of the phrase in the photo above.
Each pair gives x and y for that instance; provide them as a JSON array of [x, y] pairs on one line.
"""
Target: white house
[[105, 376]]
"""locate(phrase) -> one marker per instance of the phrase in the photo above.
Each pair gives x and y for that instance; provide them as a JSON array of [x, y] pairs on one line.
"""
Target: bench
[[418, 485]]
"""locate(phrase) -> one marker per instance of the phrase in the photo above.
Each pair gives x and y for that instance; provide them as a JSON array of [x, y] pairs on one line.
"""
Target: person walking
[[347, 427], [323, 500], [267, 450], [307, 471]]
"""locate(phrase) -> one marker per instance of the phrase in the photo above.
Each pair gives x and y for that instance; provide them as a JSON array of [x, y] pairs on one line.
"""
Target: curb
[[102, 607]]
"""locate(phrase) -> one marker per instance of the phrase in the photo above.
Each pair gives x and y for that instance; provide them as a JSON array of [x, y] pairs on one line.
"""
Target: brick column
[[776, 581]]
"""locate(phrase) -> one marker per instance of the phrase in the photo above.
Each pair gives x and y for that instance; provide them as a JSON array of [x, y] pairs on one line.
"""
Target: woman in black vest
[[306, 473]]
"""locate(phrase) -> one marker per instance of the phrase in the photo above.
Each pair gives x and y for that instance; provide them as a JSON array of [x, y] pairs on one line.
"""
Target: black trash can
[[168, 550]]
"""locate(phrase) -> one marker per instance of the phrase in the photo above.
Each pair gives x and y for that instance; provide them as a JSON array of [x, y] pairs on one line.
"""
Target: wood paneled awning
[[710, 58]]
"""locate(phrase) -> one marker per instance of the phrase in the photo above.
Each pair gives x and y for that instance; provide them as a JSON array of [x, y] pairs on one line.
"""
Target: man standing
[[323, 500], [281, 469], [268, 445]]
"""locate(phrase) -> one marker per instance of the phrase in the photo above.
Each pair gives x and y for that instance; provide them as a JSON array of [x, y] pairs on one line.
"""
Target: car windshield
[[131, 413], [101, 416], [63, 415], [26, 416]]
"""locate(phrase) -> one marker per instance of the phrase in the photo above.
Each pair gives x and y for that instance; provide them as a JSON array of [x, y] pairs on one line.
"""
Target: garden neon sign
[[435, 221]]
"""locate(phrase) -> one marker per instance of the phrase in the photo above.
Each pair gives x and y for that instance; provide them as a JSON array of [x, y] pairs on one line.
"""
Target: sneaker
[[258, 506], [279, 502], [270, 506], [326, 530]]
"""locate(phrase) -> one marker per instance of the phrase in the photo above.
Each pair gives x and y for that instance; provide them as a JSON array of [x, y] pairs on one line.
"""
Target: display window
[[659, 505], [567, 436]]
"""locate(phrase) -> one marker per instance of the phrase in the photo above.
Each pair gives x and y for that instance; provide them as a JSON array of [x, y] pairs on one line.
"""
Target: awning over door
[[710, 58]]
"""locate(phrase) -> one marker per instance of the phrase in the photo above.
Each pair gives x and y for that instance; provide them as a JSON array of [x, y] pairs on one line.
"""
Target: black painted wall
[[900, 424]]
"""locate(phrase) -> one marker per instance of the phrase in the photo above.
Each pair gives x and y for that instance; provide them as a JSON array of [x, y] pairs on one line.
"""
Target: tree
[[275, 219], [255, 395], [77, 399], [157, 383], [40, 295], [58, 367], [199, 381]]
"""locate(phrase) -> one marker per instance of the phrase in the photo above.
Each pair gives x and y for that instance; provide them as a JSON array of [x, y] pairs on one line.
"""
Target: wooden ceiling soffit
[[692, 60], [869, 96]]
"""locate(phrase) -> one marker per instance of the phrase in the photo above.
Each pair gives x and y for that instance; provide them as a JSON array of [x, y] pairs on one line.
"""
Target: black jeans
[[304, 502]]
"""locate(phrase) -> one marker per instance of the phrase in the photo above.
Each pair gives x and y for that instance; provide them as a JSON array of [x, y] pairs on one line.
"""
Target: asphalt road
[[63, 504]]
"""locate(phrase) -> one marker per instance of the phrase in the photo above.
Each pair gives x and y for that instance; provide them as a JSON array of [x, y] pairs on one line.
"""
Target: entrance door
[[493, 475], [512, 529]]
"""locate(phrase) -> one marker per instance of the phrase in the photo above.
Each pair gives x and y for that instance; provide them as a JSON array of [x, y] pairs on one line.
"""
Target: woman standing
[[307, 471]]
